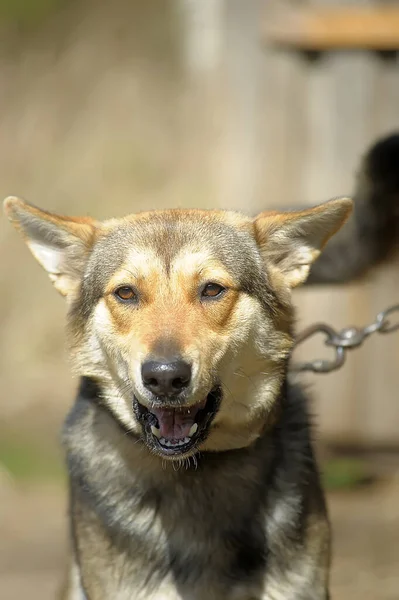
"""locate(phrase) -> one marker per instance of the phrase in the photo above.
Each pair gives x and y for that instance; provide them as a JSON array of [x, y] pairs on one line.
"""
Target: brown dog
[[192, 475]]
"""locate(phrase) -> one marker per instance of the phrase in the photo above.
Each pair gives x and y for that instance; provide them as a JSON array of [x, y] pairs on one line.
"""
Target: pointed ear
[[60, 244], [291, 242]]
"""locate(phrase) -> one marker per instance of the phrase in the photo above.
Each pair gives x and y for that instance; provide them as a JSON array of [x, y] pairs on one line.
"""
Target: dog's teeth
[[193, 430], [165, 442], [173, 443], [155, 431]]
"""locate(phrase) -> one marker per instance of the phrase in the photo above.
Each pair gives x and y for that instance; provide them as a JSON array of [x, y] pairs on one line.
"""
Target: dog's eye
[[212, 290], [125, 293]]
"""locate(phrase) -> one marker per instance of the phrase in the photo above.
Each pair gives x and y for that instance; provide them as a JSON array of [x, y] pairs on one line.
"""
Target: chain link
[[341, 341]]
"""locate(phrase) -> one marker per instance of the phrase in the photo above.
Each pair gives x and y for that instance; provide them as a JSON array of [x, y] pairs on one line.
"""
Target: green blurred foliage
[[28, 12], [28, 461], [341, 473]]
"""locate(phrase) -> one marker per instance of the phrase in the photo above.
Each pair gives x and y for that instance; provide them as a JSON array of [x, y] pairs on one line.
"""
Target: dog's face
[[184, 317]]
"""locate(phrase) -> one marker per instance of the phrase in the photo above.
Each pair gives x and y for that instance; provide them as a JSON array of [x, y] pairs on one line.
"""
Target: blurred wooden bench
[[318, 29]]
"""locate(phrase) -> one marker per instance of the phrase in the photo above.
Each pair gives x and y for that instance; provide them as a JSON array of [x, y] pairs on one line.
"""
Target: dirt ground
[[366, 541]]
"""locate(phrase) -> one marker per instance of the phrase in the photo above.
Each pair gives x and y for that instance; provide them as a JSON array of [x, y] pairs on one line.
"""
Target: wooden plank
[[236, 167], [283, 129], [378, 405], [339, 87], [333, 28]]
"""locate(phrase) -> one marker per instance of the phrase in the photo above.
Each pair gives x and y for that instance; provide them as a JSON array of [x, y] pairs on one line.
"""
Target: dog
[[191, 469]]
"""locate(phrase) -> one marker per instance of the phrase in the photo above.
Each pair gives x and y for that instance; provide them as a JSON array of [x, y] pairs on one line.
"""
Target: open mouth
[[177, 430]]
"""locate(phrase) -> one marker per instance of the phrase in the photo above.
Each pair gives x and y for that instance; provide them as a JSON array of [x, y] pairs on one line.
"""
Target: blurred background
[[112, 107]]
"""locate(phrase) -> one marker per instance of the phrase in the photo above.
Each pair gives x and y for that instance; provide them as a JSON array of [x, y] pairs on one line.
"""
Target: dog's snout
[[166, 378]]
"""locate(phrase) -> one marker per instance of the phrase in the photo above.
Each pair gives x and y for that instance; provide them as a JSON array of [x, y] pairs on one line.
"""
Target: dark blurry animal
[[191, 469], [370, 237]]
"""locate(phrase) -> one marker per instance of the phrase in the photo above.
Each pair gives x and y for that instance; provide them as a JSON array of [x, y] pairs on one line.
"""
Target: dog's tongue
[[175, 424]]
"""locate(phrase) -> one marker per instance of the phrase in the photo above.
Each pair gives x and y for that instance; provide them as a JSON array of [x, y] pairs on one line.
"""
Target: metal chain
[[341, 341]]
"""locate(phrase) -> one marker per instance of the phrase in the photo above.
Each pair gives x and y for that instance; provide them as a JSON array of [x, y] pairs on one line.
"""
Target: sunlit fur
[[242, 339], [239, 340], [233, 339]]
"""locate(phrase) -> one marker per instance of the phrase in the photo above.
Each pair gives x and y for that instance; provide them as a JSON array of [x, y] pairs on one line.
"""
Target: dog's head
[[183, 317]]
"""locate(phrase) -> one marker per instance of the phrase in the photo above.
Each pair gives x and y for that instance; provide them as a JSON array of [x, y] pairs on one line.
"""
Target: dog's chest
[[170, 549]]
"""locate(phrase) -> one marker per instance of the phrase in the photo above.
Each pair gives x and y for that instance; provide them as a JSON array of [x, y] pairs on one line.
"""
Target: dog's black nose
[[166, 378]]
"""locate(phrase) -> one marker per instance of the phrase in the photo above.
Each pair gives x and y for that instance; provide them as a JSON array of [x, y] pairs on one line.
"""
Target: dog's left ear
[[291, 242], [60, 244]]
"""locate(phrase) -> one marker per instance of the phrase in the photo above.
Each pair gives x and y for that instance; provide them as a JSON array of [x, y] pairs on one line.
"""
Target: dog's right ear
[[60, 244]]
